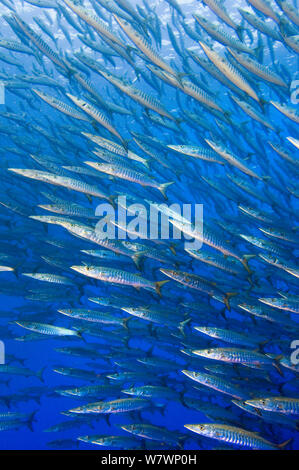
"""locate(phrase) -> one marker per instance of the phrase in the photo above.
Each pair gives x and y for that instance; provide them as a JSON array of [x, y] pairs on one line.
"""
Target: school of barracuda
[[161, 102]]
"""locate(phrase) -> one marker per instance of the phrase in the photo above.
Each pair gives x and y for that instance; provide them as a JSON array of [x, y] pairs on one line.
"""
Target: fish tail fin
[[172, 247], [228, 295], [125, 322], [239, 31], [244, 261], [277, 364], [158, 286], [40, 374], [31, 419], [284, 444], [182, 325], [163, 188], [137, 258]]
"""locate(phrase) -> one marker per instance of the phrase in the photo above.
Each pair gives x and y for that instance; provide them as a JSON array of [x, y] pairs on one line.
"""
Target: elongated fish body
[[93, 20], [129, 175], [69, 209], [16, 46], [62, 107], [200, 95], [96, 115], [217, 383], [143, 45], [117, 276], [40, 44], [289, 10], [292, 42], [284, 405], [264, 6], [222, 36], [219, 9], [138, 95], [51, 278], [231, 158], [120, 442], [253, 113], [64, 181], [92, 316], [260, 25], [148, 431], [232, 435], [229, 71], [281, 304], [284, 153], [258, 69], [280, 263], [236, 356], [46, 329], [122, 405], [289, 112], [228, 336]]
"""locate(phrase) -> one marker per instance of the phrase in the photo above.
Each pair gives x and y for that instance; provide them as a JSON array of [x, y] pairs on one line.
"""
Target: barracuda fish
[[198, 283], [216, 383], [122, 442], [253, 113], [261, 25], [234, 160], [143, 45], [137, 95], [280, 234], [69, 209], [148, 431], [292, 42], [229, 71], [284, 405], [229, 336], [219, 9], [122, 405], [264, 6], [287, 111], [129, 174], [211, 238], [91, 391], [41, 45], [152, 391], [217, 261], [280, 263], [284, 153], [289, 10], [94, 316], [51, 278], [237, 356], [234, 435], [16, 46], [117, 276], [46, 329], [221, 35], [62, 107], [96, 116], [282, 304], [22, 371], [94, 21], [64, 181], [258, 69]]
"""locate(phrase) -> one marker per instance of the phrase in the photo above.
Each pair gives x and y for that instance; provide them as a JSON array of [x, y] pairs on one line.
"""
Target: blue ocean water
[[44, 131]]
